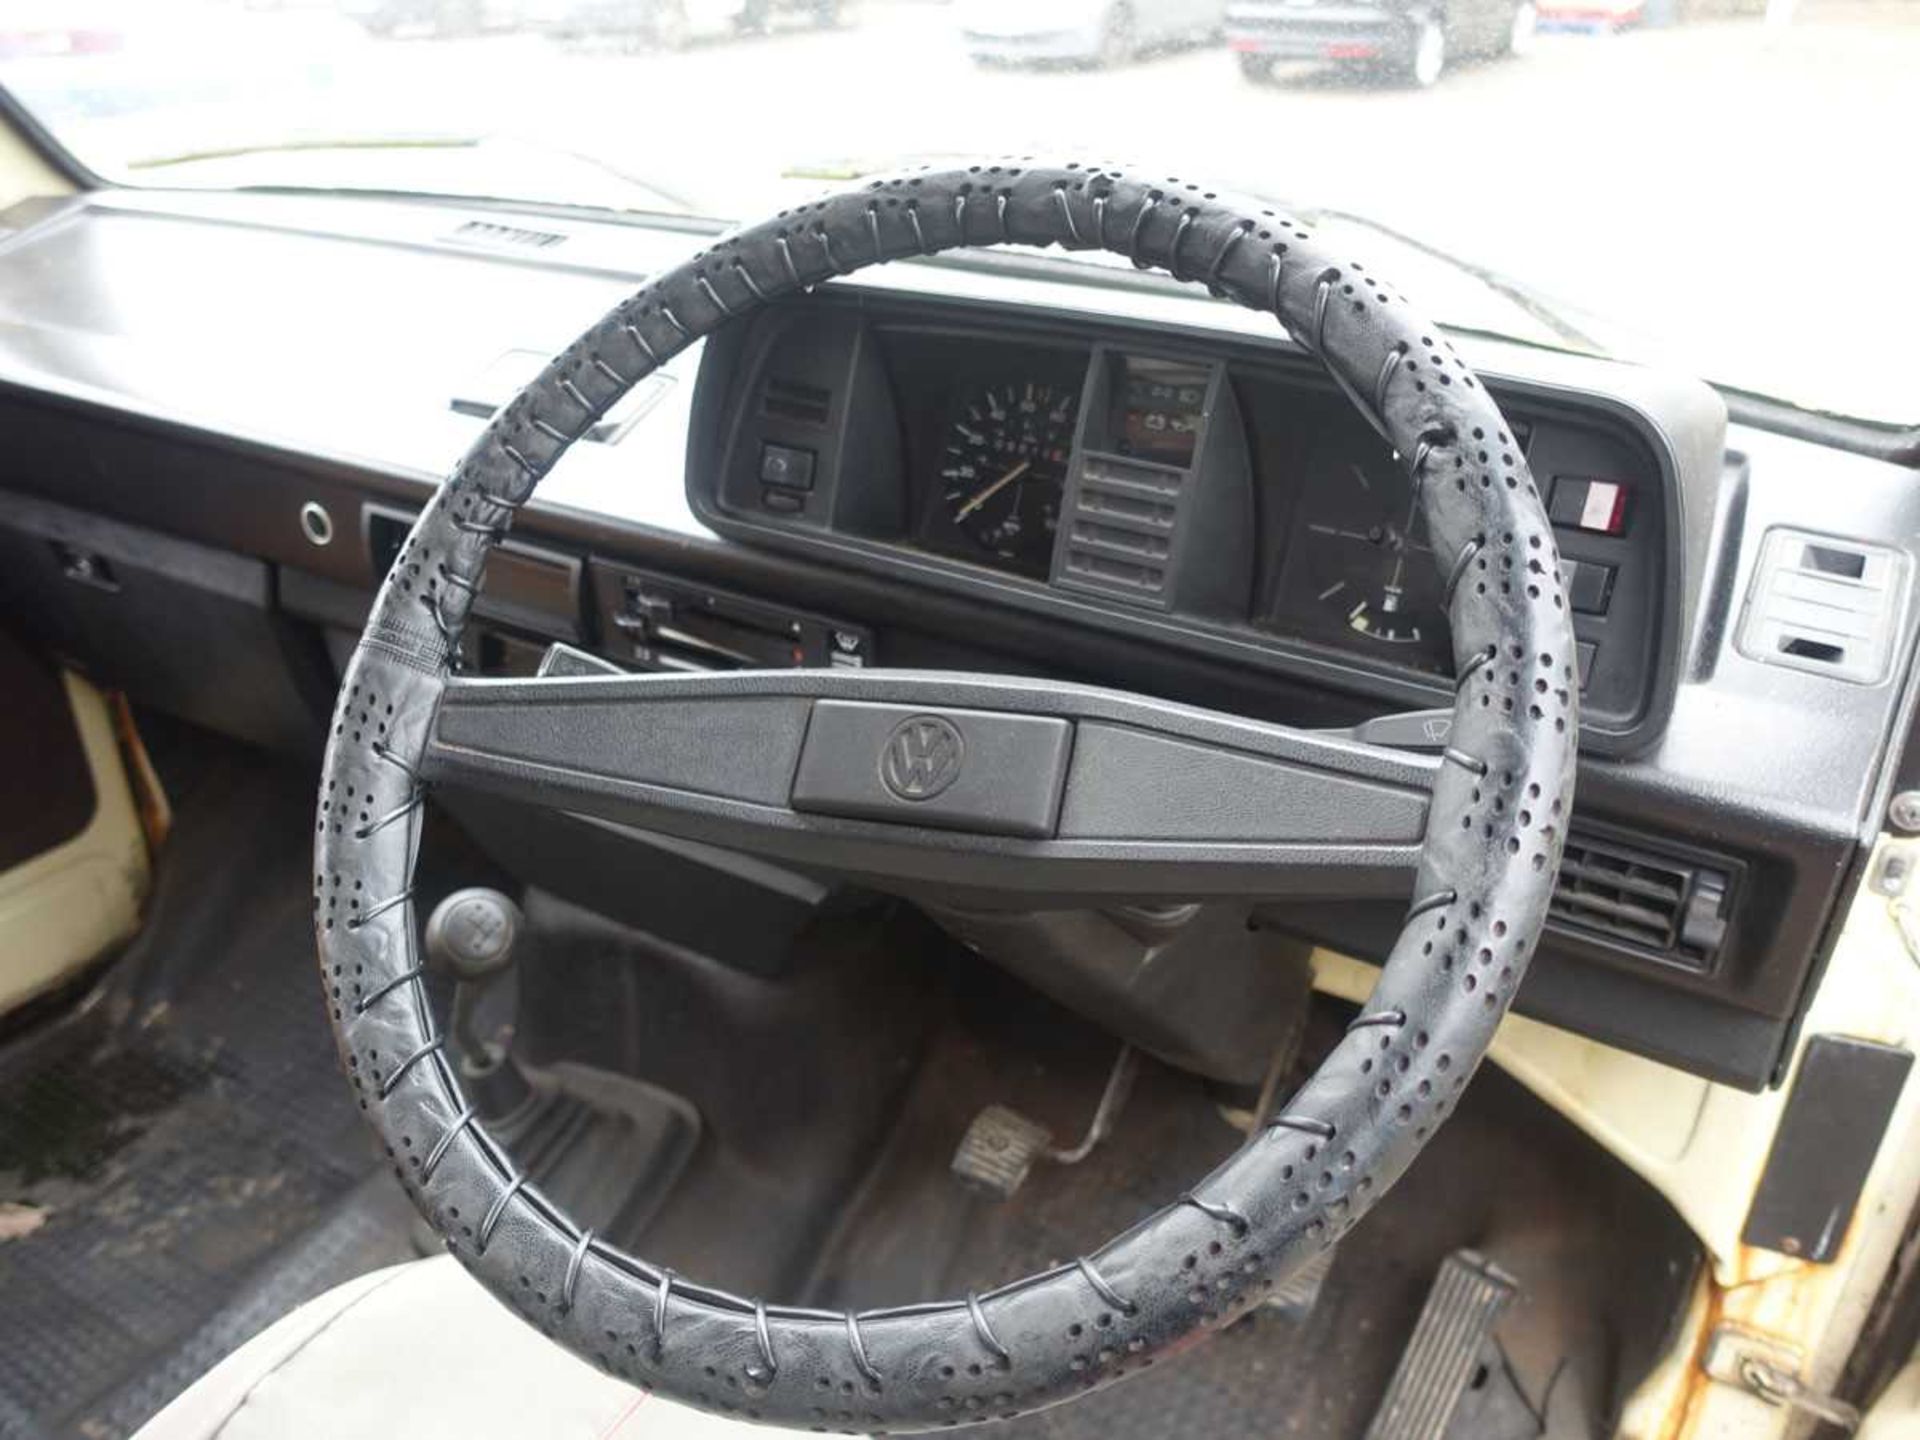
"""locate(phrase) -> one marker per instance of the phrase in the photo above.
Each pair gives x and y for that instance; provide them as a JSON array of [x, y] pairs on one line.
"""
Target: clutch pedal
[[1002, 1146], [1441, 1359]]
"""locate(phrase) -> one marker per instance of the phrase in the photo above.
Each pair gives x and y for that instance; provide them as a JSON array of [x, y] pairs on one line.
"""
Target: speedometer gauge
[[1003, 466]]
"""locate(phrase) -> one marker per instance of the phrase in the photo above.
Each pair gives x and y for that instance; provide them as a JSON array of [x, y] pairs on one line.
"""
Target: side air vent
[[1120, 532], [796, 401], [1647, 902], [491, 236], [1823, 605]]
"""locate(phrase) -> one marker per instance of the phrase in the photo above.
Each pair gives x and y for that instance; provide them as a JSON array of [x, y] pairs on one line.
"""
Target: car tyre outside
[[1119, 39], [1256, 68], [1522, 29], [671, 28], [1425, 58]]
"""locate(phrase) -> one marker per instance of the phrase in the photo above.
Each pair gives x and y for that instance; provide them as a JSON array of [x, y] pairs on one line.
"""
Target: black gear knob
[[471, 934]]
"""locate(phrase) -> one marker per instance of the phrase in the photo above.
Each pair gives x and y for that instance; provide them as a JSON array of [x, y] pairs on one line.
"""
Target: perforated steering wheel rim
[[1495, 826]]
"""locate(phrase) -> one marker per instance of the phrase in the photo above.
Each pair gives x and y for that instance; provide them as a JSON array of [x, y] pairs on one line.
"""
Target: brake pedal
[[998, 1150], [1467, 1298], [1001, 1146]]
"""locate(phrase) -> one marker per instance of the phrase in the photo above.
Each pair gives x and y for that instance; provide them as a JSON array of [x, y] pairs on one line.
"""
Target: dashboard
[[1227, 496], [993, 464]]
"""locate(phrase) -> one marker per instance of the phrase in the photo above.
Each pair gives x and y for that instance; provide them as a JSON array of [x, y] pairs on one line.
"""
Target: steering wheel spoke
[[956, 783]]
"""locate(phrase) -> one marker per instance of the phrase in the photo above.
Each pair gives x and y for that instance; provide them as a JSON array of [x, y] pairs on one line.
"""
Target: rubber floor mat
[[1601, 1260], [184, 1126]]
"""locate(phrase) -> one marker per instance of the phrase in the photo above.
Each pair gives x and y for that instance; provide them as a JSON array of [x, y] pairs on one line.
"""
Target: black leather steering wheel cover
[[1496, 826]]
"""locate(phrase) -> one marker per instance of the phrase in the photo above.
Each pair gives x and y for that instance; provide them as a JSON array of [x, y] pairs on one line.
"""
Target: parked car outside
[[433, 18], [1412, 40], [35, 28], [1600, 16], [669, 24], [1084, 32]]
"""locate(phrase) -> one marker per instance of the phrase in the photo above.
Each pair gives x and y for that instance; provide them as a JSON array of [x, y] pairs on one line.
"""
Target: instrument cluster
[[1221, 499], [996, 458]]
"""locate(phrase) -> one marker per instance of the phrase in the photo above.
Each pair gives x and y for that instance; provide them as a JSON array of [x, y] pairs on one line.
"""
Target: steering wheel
[[1491, 818]]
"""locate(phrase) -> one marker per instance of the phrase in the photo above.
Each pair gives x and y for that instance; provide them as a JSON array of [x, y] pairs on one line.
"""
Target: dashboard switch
[[787, 466], [1597, 506], [1589, 585], [847, 649]]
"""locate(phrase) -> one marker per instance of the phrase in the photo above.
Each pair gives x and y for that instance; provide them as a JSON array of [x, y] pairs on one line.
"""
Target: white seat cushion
[[419, 1351]]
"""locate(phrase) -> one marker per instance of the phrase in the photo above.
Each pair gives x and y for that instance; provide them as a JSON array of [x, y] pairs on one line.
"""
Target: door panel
[[49, 789], [73, 859]]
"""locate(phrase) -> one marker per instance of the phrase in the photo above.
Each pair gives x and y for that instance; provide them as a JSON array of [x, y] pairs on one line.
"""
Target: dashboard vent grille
[[1648, 903], [1824, 605], [1120, 532], [494, 236], [796, 401]]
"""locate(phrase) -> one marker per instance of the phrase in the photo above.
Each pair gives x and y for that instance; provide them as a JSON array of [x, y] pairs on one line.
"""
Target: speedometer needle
[[992, 490]]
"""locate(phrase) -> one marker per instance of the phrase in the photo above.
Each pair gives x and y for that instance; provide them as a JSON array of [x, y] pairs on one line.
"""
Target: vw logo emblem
[[922, 757]]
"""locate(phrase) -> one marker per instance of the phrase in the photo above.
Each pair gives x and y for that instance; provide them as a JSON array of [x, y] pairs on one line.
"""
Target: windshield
[[1720, 185]]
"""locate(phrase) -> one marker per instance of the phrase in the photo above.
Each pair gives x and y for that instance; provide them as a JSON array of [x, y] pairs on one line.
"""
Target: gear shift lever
[[611, 1146], [472, 937]]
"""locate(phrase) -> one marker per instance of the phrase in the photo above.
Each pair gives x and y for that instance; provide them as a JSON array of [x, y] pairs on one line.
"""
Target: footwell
[[182, 1131]]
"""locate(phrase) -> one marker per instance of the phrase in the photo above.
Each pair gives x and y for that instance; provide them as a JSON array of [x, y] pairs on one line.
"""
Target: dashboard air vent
[[796, 401], [1647, 902], [492, 236], [1120, 532], [1824, 605]]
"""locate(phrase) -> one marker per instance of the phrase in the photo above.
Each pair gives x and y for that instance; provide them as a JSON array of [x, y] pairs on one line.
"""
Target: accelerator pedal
[[1001, 1146], [1446, 1350]]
